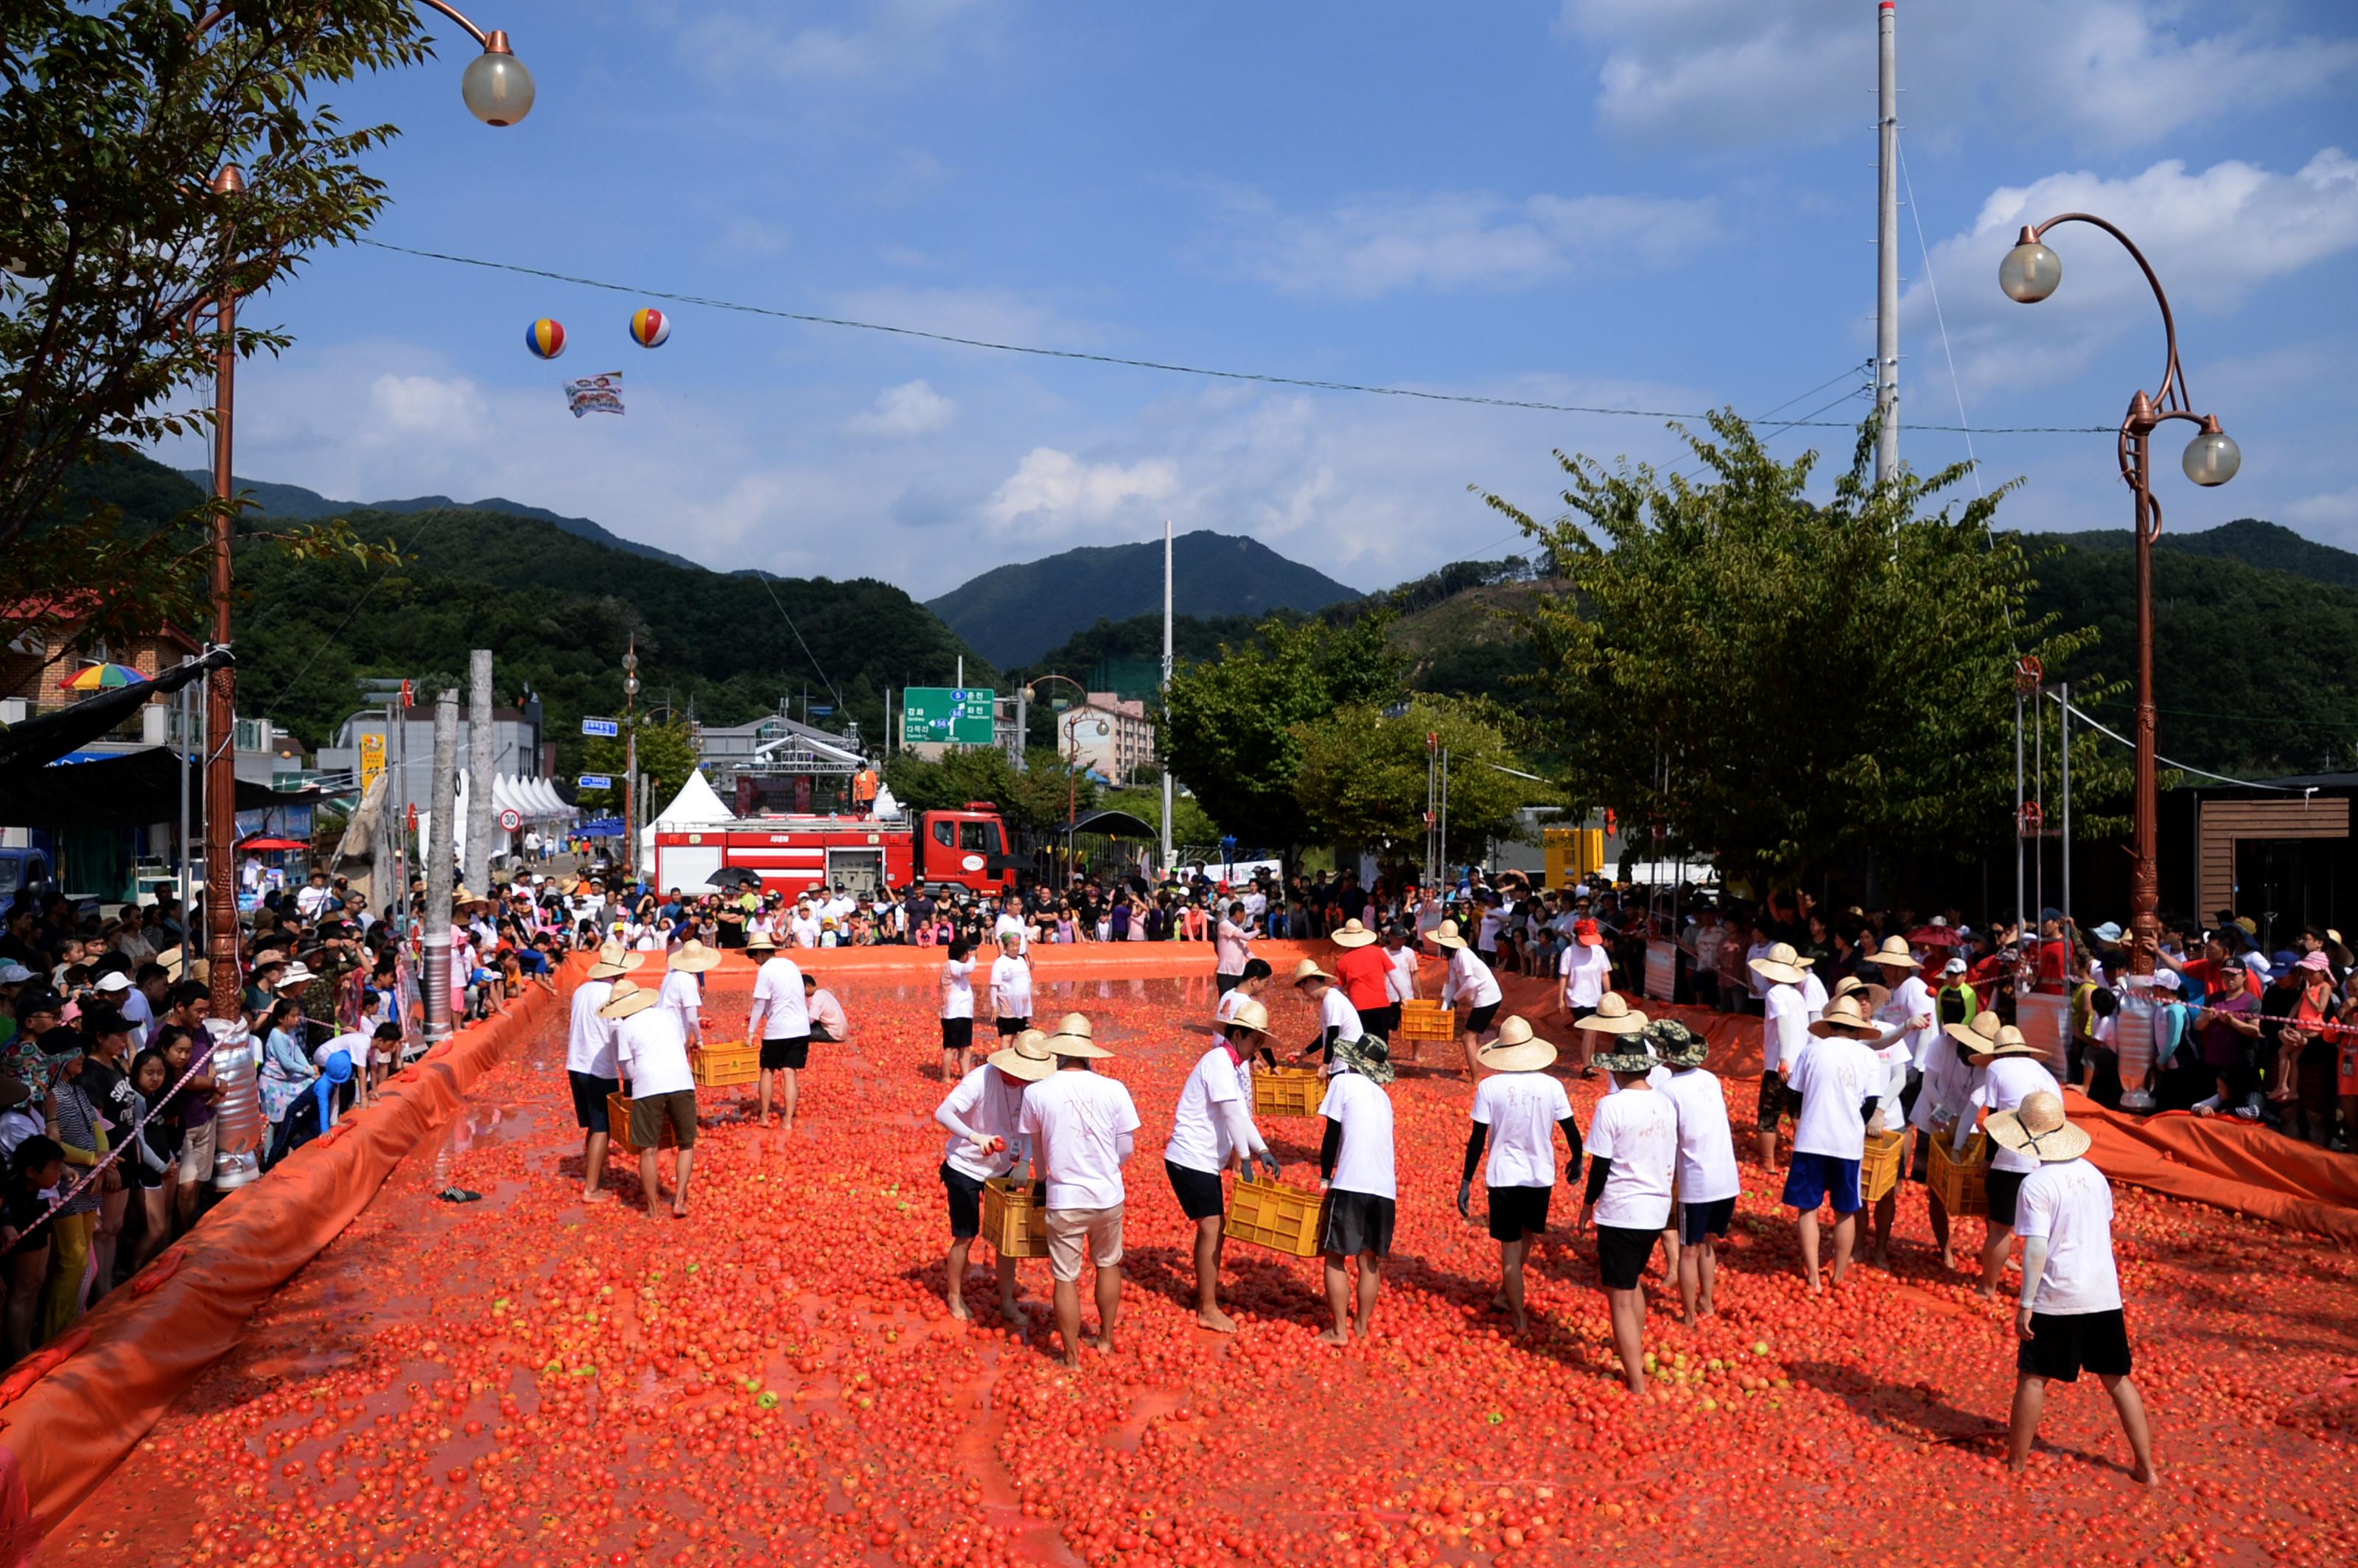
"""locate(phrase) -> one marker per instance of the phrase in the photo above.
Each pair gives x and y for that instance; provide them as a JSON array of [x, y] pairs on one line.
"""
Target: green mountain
[[1016, 613], [2271, 546]]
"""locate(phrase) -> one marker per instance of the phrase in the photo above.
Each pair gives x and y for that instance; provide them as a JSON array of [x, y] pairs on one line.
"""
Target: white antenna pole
[[1164, 758], [1887, 257]]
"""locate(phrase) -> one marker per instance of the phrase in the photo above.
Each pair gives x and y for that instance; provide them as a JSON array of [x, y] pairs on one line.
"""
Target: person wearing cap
[[683, 987], [1400, 978], [1586, 972], [1516, 1111], [2306, 1056], [2228, 1024], [1212, 1127], [1337, 1019], [1011, 986], [1358, 1172], [1471, 989], [651, 1053], [2069, 1316], [1633, 1145], [2011, 1071], [1083, 1128], [590, 1068], [1363, 970], [982, 1114], [777, 1017], [1839, 1079], [1708, 1183], [1784, 1031]]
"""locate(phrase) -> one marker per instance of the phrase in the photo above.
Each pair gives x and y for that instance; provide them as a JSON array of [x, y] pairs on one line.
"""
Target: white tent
[[694, 806], [887, 807], [552, 805]]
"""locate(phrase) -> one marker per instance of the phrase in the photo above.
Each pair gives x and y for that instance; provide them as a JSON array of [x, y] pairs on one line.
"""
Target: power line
[[1168, 367], [1934, 289], [433, 515]]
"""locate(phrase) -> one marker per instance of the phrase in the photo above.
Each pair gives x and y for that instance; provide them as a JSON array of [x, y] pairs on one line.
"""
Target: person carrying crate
[[1084, 1128], [1211, 1127], [1356, 1172], [1841, 1082], [1517, 1110], [1633, 1147], [1708, 1183], [980, 1114], [2011, 1071]]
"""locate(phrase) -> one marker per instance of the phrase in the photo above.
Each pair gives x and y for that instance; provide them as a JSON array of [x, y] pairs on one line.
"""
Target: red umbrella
[[274, 844], [1936, 936]]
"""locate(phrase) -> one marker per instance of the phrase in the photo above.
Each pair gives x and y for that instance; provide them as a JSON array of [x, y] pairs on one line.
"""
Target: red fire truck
[[940, 849]]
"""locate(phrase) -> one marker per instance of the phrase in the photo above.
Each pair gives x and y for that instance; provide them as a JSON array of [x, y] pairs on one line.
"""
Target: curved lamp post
[[2028, 274], [498, 90]]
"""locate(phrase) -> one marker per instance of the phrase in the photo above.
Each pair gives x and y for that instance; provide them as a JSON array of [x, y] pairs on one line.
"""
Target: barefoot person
[[1471, 989], [2011, 1071], [1942, 1099], [1784, 1031], [780, 1022], [981, 1115], [1633, 1149], [683, 987], [1839, 1079], [1516, 1111], [1337, 1020], [1708, 1183], [1011, 986], [589, 1063], [1586, 971], [2069, 1318], [1212, 1126], [1354, 1167], [1082, 1128], [958, 1010], [651, 1051]]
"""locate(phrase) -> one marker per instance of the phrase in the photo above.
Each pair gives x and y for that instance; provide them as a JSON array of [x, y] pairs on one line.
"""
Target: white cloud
[[752, 239], [1379, 243], [1055, 495], [898, 40], [2337, 510], [912, 408], [2112, 73], [427, 406]]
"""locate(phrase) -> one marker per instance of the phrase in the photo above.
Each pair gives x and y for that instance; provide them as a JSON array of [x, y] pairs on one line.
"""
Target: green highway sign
[[959, 716]]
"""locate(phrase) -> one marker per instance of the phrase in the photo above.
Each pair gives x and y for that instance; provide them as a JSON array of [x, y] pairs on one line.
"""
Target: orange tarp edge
[[72, 1427]]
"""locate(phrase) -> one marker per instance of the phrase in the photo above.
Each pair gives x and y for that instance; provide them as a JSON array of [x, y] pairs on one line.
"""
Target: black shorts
[[1480, 1018], [589, 1092], [1008, 1028], [2003, 1188], [1771, 1108], [957, 1033], [1225, 983], [1356, 1223], [2064, 1346], [1622, 1255], [966, 1202], [1516, 1212], [1383, 1022], [780, 1055], [1198, 1191], [1700, 1221]]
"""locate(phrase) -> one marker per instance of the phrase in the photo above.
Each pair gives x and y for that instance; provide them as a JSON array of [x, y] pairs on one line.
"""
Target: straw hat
[[1871, 997], [1074, 1036], [1629, 1055], [629, 998], [1445, 936], [694, 958], [1894, 954], [461, 898], [1779, 964], [760, 942], [1368, 1056], [1351, 933], [1676, 1044], [1977, 1038], [1516, 1049], [614, 960], [1025, 1058], [1308, 969], [1614, 1015], [1844, 1017], [297, 973], [2010, 1043], [569, 886], [1246, 1014], [2038, 1127], [180, 966]]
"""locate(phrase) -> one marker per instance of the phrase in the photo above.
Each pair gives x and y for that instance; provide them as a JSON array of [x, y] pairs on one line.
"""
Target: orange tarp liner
[[146, 1346]]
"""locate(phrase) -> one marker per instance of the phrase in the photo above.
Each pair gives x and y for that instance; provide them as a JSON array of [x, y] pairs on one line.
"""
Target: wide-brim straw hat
[[1076, 1036], [1351, 933], [1367, 1056], [1676, 1044], [461, 898], [1614, 1015], [1842, 1017], [1245, 1013], [2010, 1043], [614, 960], [629, 998], [760, 942], [1779, 964], [1446, 934], [694, 958], [1516, 1049], [1308, 969], [1977, 1037], [1871, 997], [1026, 1057], [1894, 954], [2038, 1127]]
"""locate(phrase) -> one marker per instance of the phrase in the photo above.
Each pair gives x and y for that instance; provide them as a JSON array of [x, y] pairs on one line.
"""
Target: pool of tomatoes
[[533, 1380]]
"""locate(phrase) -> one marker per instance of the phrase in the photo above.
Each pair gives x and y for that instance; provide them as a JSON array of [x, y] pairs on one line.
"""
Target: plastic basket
[[1014, 1220], [618, 1127], [726, 1064], [1282, 1219], [1958, 1182], [1288, 1091], [1878, 1172], [1428, 1021]]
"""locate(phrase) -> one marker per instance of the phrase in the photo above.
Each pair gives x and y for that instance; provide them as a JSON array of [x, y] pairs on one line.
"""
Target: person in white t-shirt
[[1010, 924], [1840, 1080], [1400, 980], [2012, 1071], [778, 1018], [958, 1010], [1777, 975], [1516, 1111], [1011, 987], [1587, 972], [651, 1051], [1212, 1127], [1083, 1127], [1357, 1170], [682, 988], [1471, 989], [1633, 1149], [1337, 1020], [2069, 1318], [589, 1068], [1945, 1097], [1708, 1182], [1231, 947], [1248, 987], [806, 927], [982, 1114]]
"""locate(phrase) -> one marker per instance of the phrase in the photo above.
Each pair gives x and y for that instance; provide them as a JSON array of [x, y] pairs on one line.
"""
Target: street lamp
[[2029, 274]]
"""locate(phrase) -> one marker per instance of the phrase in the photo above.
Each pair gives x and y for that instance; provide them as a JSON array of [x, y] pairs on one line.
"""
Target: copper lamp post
[[2028, 274]]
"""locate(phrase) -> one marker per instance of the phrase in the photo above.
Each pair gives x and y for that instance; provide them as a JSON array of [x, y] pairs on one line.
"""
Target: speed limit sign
[[509, 820]]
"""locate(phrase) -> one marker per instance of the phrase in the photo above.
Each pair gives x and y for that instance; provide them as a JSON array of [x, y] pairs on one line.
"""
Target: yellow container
[[618, 1127], [726, 1064], [1282, 1219], [1427, 1021], [1288, 1091], [1013, 1220], [1958, 1182], [1878, 1172]]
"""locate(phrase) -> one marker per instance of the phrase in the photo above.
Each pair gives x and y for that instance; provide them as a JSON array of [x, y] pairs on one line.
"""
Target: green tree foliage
[[1228, 729], [1033, 800], [1191, 823], [667, 756], [1363, 773], [1786, 684], [113, 119]]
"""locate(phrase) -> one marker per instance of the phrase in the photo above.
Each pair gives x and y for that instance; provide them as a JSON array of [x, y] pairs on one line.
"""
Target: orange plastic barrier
[[2228, 1165], [147, 1343]]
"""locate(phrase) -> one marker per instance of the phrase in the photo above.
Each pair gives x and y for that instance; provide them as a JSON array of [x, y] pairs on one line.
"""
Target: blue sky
[[1648, 204]]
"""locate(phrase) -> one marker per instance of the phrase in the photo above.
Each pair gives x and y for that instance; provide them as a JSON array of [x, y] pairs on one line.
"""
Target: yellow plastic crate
[[618, 1127], [1878, 1172], [726, 1064], [1288, 1091], [1958, 1182], [1428, 1021], [1282, 1219], [1013, 1220]]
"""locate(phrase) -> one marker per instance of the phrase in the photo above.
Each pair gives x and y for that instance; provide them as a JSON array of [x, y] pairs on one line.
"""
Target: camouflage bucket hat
[[1675, 1044], [1369, 1057]]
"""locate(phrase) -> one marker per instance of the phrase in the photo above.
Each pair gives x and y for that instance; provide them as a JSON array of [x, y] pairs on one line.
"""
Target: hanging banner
[[1661, 971], [599, 394], [2046, 1022], [371, 759]]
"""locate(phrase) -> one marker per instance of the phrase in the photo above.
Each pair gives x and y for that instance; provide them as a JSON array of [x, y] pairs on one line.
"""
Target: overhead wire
[[1934, 288]]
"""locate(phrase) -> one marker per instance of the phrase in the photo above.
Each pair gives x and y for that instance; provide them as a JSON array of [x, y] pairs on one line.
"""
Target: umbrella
[[101, 678], [1936, 936], [274, 844], [734, 877]]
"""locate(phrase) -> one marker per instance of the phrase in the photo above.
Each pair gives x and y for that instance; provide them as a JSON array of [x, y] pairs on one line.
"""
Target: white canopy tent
[[696, 803]]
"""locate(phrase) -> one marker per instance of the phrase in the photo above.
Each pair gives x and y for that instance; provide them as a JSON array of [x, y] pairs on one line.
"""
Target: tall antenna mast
[[1887, 254]]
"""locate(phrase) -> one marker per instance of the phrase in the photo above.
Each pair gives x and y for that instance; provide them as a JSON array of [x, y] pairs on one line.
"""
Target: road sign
[[961, 716], [605, 727], [595, 781], [372, 759], [509, 819], [819, 709]]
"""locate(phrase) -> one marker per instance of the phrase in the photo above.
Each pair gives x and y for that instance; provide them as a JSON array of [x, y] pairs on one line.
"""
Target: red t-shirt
[[1362, 972]]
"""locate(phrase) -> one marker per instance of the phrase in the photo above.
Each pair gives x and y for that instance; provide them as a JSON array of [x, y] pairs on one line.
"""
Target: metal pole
[[2021, 913], [439, 864], [226, 979], [1444, 813], [2144, 880], [1166, 691], [1887, 254], [483, 755], [2039, 794], [183, 711], [1022, 722], [2063, 755]]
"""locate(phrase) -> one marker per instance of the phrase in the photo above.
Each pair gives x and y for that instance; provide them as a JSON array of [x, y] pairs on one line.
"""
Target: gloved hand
[[1268, 1163], [1465, 1199]]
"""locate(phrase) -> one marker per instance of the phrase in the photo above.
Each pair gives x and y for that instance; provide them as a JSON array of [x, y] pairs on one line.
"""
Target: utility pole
[[481, 754], [2063, 755], [1887, 257], [1160, 757], [630, 757], [439, 851]]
